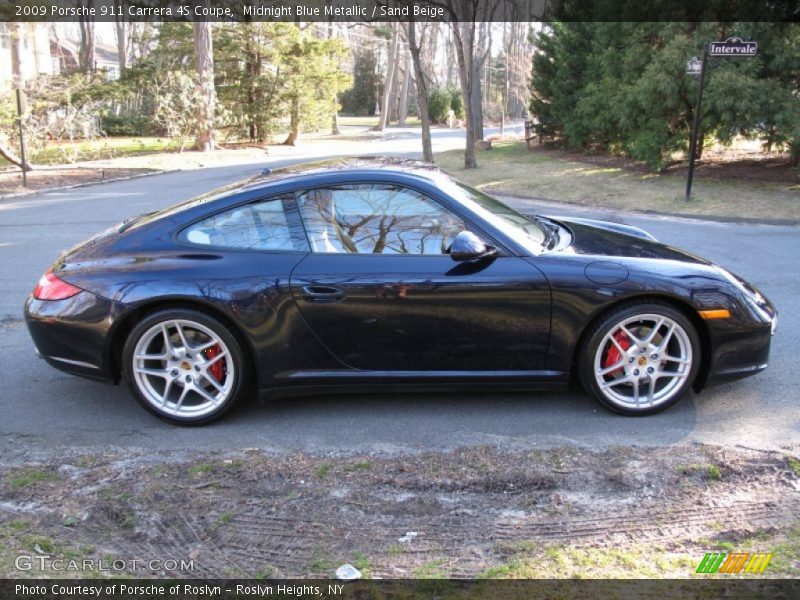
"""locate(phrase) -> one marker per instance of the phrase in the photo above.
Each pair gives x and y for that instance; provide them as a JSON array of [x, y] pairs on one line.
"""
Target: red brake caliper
[[217, 369], [613, 355]]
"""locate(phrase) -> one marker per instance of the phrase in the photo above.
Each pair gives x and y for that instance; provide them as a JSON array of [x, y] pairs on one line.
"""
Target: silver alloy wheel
[[643, 361], [183, 368]]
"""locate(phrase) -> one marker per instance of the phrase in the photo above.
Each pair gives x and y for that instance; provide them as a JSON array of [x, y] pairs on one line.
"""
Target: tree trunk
[[422, 93], [403, 110], [464, 34], [477, 106], [294, 124], [480, 53], [86, 52], [145, 37], [391, 58], [335, 115], [253, 70], [335, 118], [207, 97], [122, 39], [450, 47]]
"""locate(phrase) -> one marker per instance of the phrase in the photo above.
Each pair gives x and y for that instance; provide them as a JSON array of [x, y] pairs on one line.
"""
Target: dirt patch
[[47, 178], [465, 513]]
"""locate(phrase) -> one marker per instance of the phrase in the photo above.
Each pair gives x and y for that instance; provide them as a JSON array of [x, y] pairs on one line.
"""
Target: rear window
[[261, 225]]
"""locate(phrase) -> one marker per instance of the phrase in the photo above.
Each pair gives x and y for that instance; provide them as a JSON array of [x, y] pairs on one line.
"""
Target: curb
[[84, 184], [655, 213]]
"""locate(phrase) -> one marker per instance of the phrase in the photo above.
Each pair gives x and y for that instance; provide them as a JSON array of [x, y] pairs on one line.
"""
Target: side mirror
[[468, 246]]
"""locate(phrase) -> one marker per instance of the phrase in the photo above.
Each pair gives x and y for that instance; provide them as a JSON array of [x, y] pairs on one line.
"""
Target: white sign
[[732, 47]]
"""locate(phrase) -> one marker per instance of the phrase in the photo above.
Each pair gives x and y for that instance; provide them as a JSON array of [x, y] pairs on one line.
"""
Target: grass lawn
[[509, 168], [100, 148]]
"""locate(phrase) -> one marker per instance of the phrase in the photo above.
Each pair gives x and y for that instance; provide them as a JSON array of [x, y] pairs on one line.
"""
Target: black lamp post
[[696, 68]]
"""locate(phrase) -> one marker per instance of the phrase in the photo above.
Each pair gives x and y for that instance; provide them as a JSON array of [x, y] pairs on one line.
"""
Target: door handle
[[321, 294]]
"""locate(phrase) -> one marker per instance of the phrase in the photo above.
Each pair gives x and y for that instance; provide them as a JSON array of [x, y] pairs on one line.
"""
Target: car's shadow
[[436, 420]]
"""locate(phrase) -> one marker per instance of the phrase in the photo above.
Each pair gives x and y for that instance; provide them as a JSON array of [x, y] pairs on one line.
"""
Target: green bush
[[602, 86], [438, 104], [128, 126], [456, 101]]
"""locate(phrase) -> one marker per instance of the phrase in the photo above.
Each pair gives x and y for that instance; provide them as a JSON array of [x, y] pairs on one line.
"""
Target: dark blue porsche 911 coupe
[[365, 274]]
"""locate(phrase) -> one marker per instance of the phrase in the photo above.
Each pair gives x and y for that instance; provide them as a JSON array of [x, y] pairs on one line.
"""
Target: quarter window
[[376, 219], [257, 226]]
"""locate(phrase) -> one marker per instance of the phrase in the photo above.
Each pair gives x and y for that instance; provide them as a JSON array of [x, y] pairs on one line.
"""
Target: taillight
[[51, 287]]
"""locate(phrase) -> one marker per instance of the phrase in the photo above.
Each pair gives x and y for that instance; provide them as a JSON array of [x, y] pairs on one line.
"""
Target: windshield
[[528, 233]]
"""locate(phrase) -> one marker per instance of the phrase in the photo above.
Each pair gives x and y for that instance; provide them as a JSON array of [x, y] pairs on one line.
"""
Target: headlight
[[754, 297], [741, 285]]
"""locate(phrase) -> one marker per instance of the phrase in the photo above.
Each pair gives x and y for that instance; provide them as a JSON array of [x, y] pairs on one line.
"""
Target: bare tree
[[391, 59], [121, 29], [142, 39], [335, 115], [207, 98], [464, 35], [402, 111], [422, 92], [470, 36], [86, 52], [483, 45]]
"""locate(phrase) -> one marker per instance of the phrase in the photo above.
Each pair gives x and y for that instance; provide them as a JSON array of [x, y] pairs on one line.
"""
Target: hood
[[602, 238], [609, 225]]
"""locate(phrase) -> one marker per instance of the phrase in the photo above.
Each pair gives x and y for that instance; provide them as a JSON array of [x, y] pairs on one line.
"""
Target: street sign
[[732, 47]]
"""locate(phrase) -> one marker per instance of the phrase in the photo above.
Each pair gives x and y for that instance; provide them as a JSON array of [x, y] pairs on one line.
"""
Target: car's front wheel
[[184, 366], [640, 359]]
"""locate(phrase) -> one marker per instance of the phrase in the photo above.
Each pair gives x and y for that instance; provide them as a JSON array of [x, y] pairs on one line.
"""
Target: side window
[[256, 226], [376, 219]]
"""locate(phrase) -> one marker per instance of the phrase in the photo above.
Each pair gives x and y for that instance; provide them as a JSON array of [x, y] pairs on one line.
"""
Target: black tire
[[236, 367], [616, 399]]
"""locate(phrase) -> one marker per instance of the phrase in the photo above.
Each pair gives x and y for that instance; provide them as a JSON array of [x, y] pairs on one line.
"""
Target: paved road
[[44, 410]]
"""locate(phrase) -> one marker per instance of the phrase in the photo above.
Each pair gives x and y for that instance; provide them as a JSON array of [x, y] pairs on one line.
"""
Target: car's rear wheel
[[184, 366], [640, 359]]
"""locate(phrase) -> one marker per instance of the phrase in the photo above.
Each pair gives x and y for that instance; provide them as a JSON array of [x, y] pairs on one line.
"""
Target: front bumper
[[740, 348], [72, 334]]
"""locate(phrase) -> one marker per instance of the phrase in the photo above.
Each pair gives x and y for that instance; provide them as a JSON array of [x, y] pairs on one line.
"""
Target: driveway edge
[[62, 188]]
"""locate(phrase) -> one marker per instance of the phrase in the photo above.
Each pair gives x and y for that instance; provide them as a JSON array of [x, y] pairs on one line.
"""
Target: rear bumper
[[71, 335]]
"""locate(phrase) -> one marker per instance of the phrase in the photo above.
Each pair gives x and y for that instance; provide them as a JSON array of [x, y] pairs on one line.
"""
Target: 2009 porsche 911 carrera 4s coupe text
[[360, 274]]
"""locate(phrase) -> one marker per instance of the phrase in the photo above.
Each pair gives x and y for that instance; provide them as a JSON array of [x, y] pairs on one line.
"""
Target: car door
[[381, 292]]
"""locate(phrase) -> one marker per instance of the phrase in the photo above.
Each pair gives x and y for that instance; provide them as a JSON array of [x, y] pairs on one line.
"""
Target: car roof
[[355, 166], [351, 165]]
